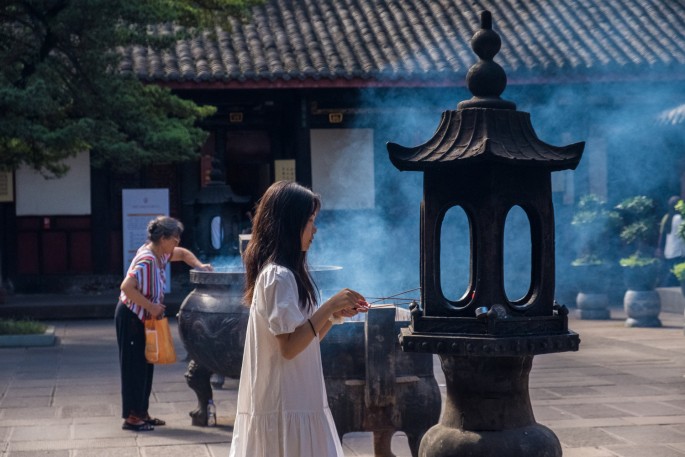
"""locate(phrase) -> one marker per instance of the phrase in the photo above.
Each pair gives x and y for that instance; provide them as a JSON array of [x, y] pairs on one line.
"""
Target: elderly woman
[[141, 298]]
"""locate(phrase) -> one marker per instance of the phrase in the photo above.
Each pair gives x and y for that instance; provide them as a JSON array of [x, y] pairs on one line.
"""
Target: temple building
[[313, 89]]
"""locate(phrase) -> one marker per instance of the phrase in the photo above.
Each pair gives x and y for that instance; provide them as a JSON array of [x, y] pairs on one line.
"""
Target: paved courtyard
[[622, 394]]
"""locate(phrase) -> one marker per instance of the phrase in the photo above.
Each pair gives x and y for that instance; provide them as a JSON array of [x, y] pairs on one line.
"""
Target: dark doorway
[[249, 159]]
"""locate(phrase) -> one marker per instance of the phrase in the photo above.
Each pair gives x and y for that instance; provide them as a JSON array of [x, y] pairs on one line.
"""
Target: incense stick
[[396, 296], [402, 299]]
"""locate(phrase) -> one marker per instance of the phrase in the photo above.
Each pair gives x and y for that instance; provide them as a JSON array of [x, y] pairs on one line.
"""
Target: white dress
[[282, 406]]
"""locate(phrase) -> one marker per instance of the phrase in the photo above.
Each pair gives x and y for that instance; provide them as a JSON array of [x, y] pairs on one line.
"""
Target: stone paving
[[622, 394]]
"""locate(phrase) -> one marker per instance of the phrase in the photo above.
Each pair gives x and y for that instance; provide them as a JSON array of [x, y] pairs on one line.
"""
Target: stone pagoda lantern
[[219, 214], [486, 159]]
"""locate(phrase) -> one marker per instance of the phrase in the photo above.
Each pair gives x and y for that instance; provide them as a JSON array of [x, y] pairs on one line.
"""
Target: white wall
[[342, 167], [69, 195]]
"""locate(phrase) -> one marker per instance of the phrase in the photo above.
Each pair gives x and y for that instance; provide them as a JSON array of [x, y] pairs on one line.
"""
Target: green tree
[[637, 224], [591, 220], [63, 91]]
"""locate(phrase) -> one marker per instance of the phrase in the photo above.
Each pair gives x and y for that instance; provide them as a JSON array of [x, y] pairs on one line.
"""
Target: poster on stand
[[139, 207]]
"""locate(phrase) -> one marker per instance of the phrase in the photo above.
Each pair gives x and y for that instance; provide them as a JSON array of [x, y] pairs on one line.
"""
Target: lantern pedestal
[[487, 410]]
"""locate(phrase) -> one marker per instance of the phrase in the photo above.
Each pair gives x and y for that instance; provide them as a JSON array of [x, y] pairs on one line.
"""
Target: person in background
[[671, 247], [282, 408], [141, 298]]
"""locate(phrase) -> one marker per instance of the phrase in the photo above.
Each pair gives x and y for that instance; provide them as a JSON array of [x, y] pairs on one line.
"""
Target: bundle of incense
[[396, 297]]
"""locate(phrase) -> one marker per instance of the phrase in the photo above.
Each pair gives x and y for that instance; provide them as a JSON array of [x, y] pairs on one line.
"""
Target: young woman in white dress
[[282, 407]]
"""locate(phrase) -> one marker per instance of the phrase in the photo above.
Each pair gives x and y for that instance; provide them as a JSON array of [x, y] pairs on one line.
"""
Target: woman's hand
[[189, 258], [347, 303], [157, 310], [130, 288]]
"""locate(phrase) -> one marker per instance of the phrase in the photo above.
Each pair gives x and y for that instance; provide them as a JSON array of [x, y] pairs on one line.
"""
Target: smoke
[[627, 153], [378, 248]]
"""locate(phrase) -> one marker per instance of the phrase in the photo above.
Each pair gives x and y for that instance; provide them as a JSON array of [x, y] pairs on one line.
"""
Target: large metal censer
[[212, 322], [374, 386]]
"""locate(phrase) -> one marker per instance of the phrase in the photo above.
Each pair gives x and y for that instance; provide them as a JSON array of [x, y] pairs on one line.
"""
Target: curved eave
[[673, 116], [476, 135], [556, 165], [297, 80]]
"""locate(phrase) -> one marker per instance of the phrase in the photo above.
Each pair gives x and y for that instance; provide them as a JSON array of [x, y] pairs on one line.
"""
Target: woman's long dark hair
[[281, 215]]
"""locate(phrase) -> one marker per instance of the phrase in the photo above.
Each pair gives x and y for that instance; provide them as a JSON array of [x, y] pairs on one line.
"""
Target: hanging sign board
[[140, 206]]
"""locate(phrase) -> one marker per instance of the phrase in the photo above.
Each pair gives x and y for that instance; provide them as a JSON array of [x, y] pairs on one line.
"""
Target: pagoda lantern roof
[[485, 128], [475, 135]]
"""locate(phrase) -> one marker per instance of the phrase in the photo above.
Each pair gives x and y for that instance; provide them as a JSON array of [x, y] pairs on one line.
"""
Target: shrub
[[638, 229], [679, 271], [637, 260], [21, 327], [592, 229]]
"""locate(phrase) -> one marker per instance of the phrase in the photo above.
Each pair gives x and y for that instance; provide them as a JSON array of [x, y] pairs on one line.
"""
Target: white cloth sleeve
[[280, 300]]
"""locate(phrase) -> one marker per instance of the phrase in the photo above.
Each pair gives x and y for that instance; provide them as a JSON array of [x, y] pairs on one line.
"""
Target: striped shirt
[[151, 277]]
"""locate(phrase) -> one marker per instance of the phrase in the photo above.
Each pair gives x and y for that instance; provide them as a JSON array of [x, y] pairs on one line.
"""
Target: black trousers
[[136, 372]]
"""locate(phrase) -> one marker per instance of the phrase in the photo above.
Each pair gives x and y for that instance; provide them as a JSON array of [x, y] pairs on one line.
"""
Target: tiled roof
[[385, 42], [673, 116]]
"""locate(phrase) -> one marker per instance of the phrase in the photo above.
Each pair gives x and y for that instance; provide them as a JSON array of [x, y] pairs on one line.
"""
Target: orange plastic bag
[[159, 345]]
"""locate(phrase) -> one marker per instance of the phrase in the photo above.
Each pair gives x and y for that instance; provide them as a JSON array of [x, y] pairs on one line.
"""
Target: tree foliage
[[62, 91], [637, 224], [592, 224]]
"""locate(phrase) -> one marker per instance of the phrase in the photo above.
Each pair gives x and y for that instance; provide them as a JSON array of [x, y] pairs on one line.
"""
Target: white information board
[[140, 206], [342, 167], [69, 195]]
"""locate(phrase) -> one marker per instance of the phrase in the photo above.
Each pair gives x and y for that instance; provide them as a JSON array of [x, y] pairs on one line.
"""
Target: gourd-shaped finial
[[486, 78]]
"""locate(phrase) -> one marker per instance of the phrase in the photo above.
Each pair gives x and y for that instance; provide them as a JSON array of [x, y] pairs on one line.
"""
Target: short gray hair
[[163, 227]]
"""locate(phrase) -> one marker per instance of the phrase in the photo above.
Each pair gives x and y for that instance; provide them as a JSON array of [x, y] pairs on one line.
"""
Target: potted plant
[[679, 272], [638, 228], [592, 234]]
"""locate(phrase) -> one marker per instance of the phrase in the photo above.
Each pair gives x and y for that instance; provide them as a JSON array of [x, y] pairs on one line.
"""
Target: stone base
[[642, 308], [592, 306], [487, 411], [532, 441], [643, 322]]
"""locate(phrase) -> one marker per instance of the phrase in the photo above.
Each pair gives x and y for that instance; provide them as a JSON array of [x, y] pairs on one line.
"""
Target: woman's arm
[[189, 258], [324, 330], [129, 286], [346, 301]]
